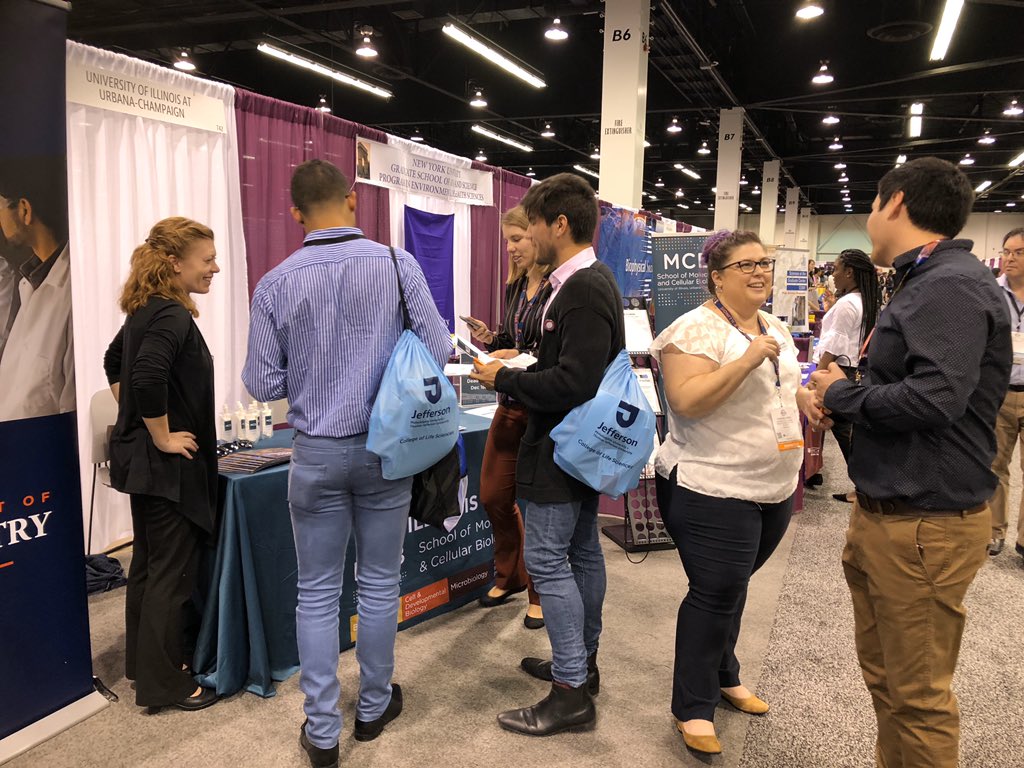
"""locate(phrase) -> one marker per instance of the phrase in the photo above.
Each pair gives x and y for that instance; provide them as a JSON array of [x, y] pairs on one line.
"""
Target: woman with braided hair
[[845, 327]]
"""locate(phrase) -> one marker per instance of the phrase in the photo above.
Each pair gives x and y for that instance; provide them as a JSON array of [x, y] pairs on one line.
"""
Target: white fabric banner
[[789, 294], [399, 198], [125, 173], [422, 171]]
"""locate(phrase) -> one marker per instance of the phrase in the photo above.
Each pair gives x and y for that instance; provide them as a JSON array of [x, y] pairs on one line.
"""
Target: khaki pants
[[908, 577], [1009, 429]]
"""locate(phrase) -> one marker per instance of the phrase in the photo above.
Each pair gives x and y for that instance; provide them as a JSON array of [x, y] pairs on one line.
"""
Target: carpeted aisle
[[821, 712]]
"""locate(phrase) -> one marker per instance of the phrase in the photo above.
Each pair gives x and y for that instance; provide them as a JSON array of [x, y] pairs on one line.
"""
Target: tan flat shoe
[[708, 745], [752, 705]]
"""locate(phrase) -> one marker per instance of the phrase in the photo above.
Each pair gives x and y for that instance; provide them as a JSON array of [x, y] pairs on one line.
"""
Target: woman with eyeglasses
[[844, 328], [727, 471]]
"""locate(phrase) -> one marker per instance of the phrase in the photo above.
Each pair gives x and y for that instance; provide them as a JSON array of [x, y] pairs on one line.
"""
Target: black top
[[937, 372], [528, 312], [584, 331], [164, 367]]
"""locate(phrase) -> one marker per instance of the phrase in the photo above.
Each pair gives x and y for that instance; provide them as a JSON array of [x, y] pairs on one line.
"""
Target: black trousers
[[158, 603], [721, 543]]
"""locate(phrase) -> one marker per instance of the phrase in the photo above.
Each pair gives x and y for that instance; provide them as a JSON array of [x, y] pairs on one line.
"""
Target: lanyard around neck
[[764, 332]]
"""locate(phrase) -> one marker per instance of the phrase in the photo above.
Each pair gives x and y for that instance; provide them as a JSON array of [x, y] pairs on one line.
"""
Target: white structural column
[[624, 101], [769, 198], [803, 229], [789, 227], [730, 144]]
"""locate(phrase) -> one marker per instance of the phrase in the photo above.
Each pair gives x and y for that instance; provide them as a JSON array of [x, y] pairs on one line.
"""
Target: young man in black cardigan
[[582, 333]]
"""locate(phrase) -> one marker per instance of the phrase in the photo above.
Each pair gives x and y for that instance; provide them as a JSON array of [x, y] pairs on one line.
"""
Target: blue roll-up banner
[[430, 237], [680, 282], [45, 658]]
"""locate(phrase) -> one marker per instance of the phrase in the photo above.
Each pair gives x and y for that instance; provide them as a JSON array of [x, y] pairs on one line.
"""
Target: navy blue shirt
[[937, 371]]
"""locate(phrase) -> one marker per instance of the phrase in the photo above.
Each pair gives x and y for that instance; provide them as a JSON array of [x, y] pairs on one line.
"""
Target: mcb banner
[[45, 658], [680, 282]]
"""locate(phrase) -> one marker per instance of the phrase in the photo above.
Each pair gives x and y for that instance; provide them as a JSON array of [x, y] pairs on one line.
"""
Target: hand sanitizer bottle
[[227, 425], [241, 422], [253, 416], [268, 420]]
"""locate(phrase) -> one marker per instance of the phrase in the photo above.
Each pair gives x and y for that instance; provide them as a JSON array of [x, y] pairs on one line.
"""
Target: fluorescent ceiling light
[[490, 52], [823, 76], [587, 171], [682, 205], [366, 50], [987, 137], [484, 131], [688, 171], [830, 119], [183, 62], [950, 16], [811, 9], [556, 31], [320, 69], [983, 186], [1013, 110], [547, 133], [916, 121], [1017, 160]]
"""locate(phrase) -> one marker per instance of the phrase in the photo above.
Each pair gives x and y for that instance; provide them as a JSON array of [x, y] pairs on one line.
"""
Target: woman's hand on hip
[[183, 443]]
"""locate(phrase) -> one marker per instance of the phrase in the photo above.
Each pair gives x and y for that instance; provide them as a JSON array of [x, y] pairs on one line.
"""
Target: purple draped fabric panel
[[490, 264], [274, 137]]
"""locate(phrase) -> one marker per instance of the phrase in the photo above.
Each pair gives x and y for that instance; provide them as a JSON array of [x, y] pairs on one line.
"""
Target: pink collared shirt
[[581, 260]]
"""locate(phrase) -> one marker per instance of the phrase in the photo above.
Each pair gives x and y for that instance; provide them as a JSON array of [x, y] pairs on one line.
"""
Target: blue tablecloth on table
[[247, 636]]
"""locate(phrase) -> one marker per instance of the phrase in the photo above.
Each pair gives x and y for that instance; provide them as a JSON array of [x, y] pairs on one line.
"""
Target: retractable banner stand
[[680, 282], [45, 659]]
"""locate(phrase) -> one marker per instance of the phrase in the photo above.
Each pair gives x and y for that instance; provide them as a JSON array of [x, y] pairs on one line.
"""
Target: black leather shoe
[[368, 731], [541, 669], [996, 546], [206, 698], [1020, 549], [561, 710], [490, 602], [814, 481], [318, 756], [531, 623]]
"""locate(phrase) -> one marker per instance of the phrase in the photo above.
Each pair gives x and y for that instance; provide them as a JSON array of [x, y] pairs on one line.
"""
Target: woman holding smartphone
[[526, 292]]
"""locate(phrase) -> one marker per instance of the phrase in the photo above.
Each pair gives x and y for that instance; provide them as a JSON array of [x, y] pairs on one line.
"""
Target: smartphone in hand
[[471, 322]]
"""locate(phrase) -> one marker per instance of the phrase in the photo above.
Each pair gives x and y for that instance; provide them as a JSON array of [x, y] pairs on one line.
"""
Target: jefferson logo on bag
[[626, 414], [433, 389]]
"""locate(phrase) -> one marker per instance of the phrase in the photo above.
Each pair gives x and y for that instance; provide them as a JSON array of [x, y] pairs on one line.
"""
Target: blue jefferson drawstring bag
[[606, 442], [415, 418]]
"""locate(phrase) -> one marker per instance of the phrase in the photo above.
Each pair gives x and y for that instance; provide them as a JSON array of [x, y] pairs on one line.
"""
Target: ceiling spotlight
[[823, 76], [583, 169], [679, 193], [743, 180], [967, 159], [1011, 205], [914, 128], [839, 166], [755, 191], [480, 157], [416, 135], [830, 119], [845, 190], [547, 133], [987, 137], [659, 182], [485, 48], [366, 49], [836, 144], [531, 173], [322, 105], [1013, 110], [983, 186], [900, 160], [846, 199], [595, 152], [647, 144], [184, 63], [674, 126], [477, 97], [1017, 160], [485, 131], [556, 31], [844, 178], [810, 9], [703, 149]]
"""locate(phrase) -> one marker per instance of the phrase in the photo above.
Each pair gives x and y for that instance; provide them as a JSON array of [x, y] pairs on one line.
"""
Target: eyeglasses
[[1017, 253], [747, 267]]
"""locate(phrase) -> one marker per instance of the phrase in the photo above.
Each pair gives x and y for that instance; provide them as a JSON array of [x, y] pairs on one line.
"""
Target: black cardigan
[[161, 361], [584, 331], [505, 337]]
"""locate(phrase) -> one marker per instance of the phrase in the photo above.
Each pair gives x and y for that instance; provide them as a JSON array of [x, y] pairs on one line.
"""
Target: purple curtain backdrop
[[274, 137]]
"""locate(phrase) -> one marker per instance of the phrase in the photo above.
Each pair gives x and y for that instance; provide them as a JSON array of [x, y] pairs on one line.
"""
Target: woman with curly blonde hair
[[163, 452]]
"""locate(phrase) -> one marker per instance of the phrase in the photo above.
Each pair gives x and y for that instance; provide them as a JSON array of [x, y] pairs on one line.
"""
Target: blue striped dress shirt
[[323, 326]]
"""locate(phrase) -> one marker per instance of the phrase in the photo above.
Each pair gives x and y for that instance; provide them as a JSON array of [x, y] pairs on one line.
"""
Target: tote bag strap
[[406, 323]]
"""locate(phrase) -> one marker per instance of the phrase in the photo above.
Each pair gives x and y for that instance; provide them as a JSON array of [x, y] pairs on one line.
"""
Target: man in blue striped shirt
[[322, 329]]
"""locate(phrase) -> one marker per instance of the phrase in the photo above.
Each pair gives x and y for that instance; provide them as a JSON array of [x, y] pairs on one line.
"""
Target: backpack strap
[[406, 322]]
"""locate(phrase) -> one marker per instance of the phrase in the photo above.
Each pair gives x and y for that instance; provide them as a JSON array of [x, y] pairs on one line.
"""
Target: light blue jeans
[[565, 562], [335, 487]]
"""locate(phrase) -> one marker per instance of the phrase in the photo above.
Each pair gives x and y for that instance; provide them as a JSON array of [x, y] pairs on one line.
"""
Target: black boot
[[541, 669], [318, 756], [562, 709]]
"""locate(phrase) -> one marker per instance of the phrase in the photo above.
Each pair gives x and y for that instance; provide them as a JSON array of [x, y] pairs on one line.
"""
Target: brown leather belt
[[897, 507]]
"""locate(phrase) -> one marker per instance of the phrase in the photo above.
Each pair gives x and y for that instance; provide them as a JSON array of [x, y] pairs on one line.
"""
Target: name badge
[[786, 422], [1018, 347]]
